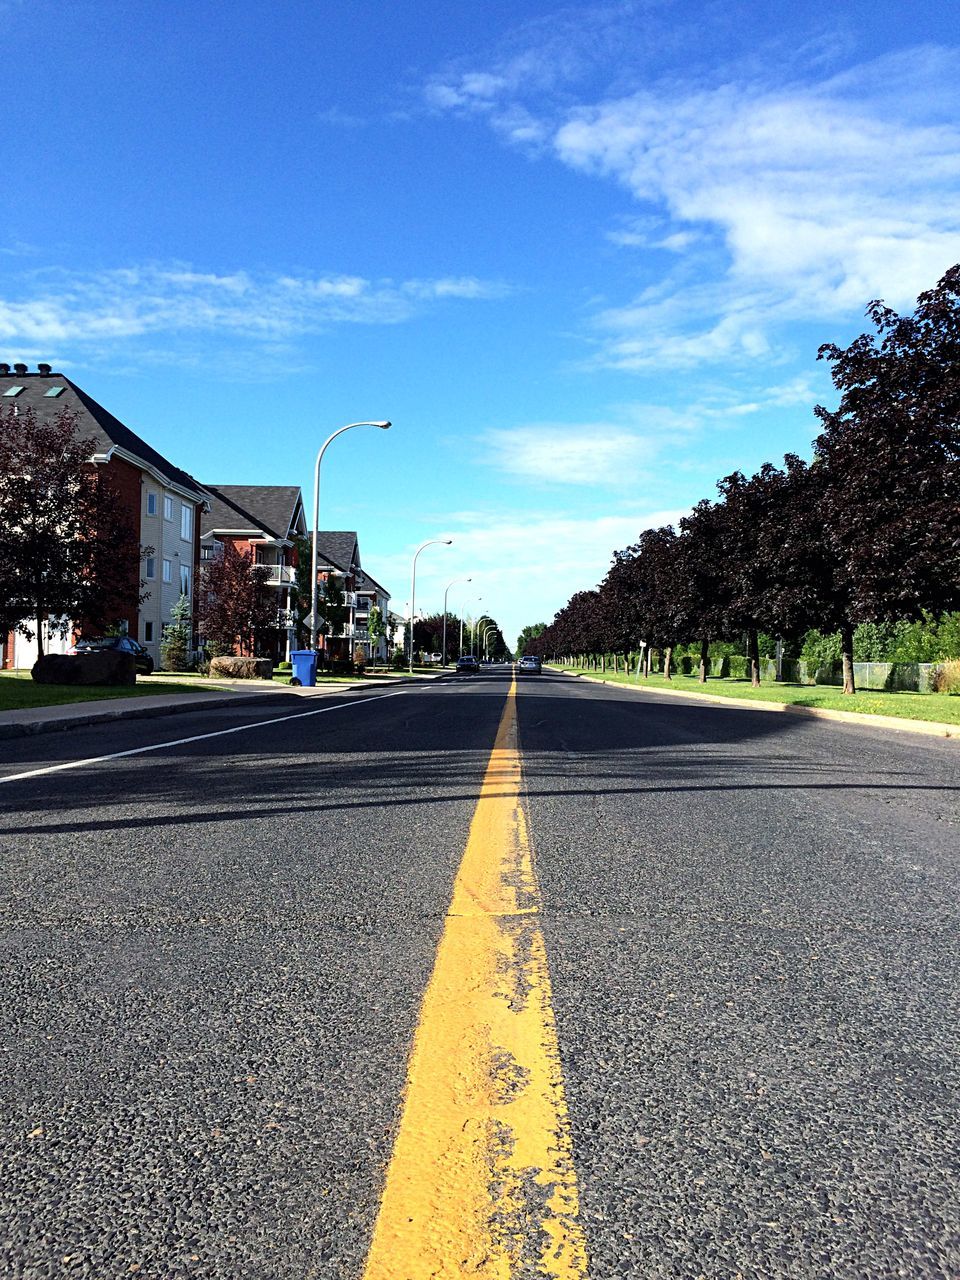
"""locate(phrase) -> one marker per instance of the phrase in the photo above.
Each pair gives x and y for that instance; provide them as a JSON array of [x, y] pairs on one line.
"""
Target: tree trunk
[[846, 643], [667, 656], [39, 637], [753, 648], [704, 660], [603, 664]]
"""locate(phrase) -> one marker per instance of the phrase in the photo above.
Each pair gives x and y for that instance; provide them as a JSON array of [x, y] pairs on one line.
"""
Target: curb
[[217, 703], [932, 728]]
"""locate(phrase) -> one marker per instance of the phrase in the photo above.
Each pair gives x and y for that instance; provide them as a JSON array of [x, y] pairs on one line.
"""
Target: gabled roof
[[367, 583], [94, 420], [268, 510], [339, 547]]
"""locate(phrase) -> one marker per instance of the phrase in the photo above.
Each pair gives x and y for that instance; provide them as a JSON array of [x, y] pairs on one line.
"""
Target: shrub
[[399, 660], [820, 650], [945, 677], [736, 666], [175, 644]]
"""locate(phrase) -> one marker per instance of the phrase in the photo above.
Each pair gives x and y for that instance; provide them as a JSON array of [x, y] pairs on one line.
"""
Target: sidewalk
[[230, 693]]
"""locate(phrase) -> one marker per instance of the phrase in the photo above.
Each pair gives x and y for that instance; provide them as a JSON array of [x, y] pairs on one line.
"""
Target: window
[[151, 567], [13, 391], [167, 507], [167, 571], [186, 521], [184, 580], [54, 392], [151, 503], [147, 632]]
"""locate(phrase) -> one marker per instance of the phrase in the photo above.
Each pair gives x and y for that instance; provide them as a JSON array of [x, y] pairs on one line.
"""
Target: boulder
[[105, 666], [242, 668]]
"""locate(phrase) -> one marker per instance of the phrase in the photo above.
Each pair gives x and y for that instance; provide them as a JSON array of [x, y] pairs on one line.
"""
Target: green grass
[[943, 708], [18, 691]]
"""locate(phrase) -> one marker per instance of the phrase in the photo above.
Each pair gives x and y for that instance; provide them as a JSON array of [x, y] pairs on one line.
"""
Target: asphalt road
[[215, 953]]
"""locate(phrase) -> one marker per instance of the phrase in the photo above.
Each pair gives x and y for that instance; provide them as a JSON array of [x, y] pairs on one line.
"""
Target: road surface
[[735, 933]]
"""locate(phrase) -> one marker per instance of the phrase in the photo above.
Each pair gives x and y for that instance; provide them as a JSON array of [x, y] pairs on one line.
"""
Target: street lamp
[[462, 608], [449, 585], [488, 625], [413, 585], [316, 519]]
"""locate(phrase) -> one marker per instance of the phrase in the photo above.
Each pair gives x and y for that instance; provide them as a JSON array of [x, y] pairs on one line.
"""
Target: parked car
[[467, 665], [529, 663], [123, 644]]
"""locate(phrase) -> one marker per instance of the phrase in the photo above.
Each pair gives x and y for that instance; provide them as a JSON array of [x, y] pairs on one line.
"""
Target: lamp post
[[413, 585], [487, 625], [462, 608], [316, 519], [449, 585]]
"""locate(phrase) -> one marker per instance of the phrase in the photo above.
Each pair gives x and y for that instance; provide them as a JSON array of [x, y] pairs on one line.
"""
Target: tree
[[332, 610], [234, 608], [175, 644], [700, 569], [67, 547], [533, 632], [888, 460], [376, 629]]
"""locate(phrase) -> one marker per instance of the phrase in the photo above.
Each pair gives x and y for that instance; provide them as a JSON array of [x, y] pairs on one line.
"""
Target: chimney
[[4, 369], [45, 369], [20, 368]]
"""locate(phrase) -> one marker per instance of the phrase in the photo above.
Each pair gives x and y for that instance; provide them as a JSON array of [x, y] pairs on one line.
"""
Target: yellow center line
[[481, 1182]]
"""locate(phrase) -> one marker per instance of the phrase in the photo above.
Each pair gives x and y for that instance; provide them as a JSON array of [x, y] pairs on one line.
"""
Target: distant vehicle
[[529, 663], [122, 644], [467, 665]]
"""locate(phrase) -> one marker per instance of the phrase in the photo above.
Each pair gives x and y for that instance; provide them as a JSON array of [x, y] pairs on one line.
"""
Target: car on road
[[122, 644], [467, 665], [529, 663]]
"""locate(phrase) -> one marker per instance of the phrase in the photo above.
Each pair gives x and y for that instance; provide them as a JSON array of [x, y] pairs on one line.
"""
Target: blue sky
[[582, 257]]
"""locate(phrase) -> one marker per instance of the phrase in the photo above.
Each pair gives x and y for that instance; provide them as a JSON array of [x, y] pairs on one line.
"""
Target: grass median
[[941, 708], [19, 692]]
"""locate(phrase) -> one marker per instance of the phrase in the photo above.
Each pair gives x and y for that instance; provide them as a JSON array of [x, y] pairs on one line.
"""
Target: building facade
[[161, 501], [266, 522]]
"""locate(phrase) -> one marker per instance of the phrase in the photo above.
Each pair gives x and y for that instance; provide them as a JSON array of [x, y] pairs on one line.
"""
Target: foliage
[[332, 610], [67, 548], [946, 677], [235, 609], [858, 552], [532, 632], [376, 628], [175, 644]]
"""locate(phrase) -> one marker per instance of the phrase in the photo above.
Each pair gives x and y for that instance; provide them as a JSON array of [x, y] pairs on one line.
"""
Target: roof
[[339, 547], [270, 509], [365, 582], [94, 420]]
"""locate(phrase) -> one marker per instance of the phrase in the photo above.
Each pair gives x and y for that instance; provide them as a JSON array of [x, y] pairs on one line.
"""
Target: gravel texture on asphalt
[[752, 930], [214, 957]]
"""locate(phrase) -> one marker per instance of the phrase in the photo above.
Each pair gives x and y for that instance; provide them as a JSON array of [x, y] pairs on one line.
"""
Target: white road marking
[[197, 737]]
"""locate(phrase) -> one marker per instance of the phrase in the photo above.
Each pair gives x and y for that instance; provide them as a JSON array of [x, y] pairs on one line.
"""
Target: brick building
[[161, 500]]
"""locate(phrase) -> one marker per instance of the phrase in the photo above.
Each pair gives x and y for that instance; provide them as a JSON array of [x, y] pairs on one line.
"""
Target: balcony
[[279, 575], [350, 599]]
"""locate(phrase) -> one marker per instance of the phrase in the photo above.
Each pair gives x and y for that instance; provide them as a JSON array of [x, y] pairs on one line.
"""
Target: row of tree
[[482, 637], [868, 531]]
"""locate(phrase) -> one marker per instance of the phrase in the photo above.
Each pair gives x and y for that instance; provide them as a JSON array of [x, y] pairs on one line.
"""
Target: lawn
[[943, 708], [18, 691]]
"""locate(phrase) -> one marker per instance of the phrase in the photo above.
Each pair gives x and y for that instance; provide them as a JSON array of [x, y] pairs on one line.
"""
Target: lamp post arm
[[316, 518]]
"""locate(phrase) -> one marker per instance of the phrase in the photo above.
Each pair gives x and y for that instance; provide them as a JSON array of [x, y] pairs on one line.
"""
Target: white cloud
[[525, 568], [792, 201], [58, 306], [560, 453]]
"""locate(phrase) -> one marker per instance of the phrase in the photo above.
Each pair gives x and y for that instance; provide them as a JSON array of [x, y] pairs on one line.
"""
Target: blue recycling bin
[[304, 667]]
